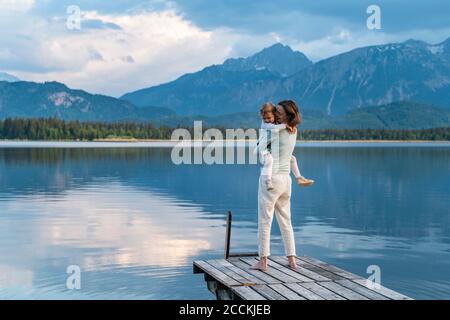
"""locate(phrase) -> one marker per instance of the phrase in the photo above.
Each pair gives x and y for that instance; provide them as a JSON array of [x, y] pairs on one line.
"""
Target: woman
[[278, 199]]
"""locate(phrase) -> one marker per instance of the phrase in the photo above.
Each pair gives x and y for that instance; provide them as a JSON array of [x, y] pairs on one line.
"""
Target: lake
[[133, 221]]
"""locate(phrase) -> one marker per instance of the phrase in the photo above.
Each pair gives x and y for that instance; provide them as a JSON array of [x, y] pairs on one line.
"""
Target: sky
[[125, 45]]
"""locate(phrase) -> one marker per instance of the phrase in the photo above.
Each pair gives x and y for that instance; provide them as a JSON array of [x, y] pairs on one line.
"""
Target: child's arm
[[271, 126], [294, 167], [262, 142]]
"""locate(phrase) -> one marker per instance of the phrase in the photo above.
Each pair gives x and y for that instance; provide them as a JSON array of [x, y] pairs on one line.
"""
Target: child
[[268, 111]]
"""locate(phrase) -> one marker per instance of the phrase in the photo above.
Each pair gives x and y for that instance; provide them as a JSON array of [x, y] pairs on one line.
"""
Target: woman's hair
[[292, 113], [268, 107]]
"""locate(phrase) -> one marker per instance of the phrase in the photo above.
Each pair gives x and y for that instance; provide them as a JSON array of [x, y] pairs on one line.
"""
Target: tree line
[[57, 129], [436, 134]]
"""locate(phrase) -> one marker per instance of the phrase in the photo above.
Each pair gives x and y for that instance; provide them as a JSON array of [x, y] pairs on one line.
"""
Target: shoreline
[[223, 141], [253, 140], [168, 144]]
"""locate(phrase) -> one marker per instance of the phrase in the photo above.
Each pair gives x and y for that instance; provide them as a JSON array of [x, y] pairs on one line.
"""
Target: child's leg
[[294, 167], [266, 171], [268, 165]]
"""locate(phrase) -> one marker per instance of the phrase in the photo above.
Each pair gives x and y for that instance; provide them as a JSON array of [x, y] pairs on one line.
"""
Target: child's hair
[[267, 107]]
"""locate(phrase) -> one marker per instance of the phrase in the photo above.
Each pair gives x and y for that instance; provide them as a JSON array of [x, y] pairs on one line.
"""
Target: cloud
[[145, 48], [341, 40], [11, 6], [99, 24], [126, 45], [255, 16], [129, 237], [326, 27], [128, 59], [58, 7]]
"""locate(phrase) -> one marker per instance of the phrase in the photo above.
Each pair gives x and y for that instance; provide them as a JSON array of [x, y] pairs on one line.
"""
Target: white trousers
[[279, 200]]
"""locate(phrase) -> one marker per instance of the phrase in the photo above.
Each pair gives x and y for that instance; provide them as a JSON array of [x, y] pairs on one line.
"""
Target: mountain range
[[54, 99], [396, 115], [402, 85], [375, 75], [8, 77]]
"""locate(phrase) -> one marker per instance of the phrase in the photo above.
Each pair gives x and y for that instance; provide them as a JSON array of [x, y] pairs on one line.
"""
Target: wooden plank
[[324, 273], [251, 279], [286, 292], [391, 294], [196, 269], [217, 274], [268, 292], [321, 291], [219, 290], [247, 293], [259, 274], [301, 270], [236, 276], [243, 254], [310, 281], [342, 291], [307, 294], [369, 293], [285, 269], [271, 271], [330, 268]]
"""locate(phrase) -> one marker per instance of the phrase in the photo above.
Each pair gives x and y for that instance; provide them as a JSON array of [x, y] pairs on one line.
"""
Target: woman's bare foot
[[260, 265], [302, 181], [292, 263]]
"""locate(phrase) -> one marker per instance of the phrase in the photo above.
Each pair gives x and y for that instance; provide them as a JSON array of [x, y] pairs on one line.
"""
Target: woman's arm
[[291, 130]]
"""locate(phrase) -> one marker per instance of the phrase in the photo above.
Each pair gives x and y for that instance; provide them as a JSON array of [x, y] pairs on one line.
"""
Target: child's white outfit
[[264, 147]]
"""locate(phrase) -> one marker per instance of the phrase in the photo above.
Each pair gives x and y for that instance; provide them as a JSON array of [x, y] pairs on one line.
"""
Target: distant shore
[[169, 144], [253, 140], [128, 140]]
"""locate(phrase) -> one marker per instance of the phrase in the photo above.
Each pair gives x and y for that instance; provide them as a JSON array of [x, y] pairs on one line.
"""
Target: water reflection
[[133, 221], [104, 227]]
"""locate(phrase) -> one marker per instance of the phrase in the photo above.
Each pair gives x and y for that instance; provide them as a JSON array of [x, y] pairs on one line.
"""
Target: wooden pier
[[232, 279]]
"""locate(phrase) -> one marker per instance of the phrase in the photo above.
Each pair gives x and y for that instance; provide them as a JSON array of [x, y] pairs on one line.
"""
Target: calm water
[[134, 222]]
